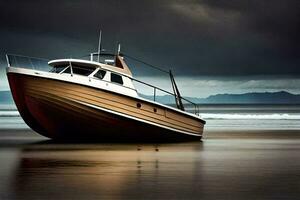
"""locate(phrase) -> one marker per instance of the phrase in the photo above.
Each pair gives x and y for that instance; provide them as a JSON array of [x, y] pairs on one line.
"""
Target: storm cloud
[[204, 37]]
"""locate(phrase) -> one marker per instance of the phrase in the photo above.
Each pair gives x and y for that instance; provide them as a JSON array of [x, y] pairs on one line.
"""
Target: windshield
[[79, 70]]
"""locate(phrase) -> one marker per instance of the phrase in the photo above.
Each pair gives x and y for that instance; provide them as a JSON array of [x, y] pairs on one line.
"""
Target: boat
[[94, 99]]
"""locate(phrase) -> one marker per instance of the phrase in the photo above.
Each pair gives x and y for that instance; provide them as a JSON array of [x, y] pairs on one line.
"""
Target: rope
[[147, 64]]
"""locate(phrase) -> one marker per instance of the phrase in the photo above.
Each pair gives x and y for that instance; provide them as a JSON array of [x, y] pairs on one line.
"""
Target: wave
[[9, 113], [278, 116]]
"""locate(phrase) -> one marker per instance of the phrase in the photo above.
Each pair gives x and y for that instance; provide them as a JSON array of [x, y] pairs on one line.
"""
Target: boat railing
[[158, 94], [21, 61], [166, 97]]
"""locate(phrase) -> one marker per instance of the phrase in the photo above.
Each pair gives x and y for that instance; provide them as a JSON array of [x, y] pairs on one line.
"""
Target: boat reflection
[[84, 171]]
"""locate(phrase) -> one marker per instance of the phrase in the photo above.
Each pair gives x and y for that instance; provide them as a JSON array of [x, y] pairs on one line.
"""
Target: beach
[[231, 165]]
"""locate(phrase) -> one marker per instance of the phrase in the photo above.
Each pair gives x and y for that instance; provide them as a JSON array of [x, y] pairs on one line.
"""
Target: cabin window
[[100, 74], [116, 78], [79, 70], [68, 70], [57, 69]]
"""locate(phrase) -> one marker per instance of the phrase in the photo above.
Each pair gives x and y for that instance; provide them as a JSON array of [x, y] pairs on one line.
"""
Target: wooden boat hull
[[63, 110]]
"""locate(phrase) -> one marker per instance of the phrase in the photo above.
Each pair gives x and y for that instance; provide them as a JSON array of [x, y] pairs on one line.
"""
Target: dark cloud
[[278, 21], [204, 37]]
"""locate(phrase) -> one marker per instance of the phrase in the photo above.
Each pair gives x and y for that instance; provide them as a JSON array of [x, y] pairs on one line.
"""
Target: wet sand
[[225, 165]]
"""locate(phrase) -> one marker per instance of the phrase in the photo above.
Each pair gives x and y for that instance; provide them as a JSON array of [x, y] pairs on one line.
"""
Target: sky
[[212, 46]]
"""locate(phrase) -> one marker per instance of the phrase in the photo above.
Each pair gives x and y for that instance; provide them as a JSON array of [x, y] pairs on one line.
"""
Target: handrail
[[165, 91], [18, 55]]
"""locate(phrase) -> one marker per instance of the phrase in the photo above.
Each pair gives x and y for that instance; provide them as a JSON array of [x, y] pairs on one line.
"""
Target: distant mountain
[[281, 97], [6, 97]]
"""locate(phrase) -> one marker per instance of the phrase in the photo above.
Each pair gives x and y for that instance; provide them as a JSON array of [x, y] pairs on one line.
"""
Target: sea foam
[[278, 116], [9, 113]]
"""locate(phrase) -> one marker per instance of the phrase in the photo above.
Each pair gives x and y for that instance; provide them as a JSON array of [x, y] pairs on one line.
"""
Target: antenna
[[119, 49], [99, 45]]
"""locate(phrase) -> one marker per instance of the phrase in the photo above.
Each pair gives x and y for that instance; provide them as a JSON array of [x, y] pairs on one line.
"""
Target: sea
[[247, 152], [251, 117], [217, 116]]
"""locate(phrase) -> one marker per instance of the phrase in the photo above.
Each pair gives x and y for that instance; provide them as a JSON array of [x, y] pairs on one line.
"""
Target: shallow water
[[227, 167], [218, 117]]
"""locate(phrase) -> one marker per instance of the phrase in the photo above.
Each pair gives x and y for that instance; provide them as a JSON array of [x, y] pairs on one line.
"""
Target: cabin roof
[[121, 67]]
